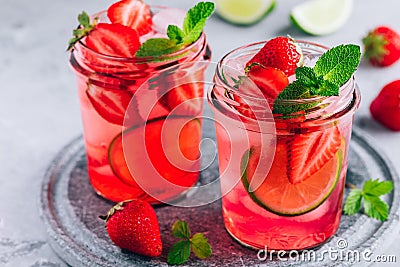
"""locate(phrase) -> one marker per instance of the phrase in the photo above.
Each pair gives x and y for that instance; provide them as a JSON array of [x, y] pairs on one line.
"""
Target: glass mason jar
[[125, 98], [266, 200]]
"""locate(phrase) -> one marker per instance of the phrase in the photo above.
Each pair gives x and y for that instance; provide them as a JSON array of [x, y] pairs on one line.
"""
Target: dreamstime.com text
[[334, 254]]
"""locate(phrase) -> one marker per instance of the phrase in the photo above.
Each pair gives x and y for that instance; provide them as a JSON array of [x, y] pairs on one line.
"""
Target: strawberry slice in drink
[[308, 152], [131, 13], [282, 193], [111, 104], [166, 149], [269, 81], [186, 96], [111, 40]]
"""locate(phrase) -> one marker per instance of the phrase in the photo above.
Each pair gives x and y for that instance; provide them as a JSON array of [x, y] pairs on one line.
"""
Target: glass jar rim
[[321, 108], [166, 57], [306, 44]]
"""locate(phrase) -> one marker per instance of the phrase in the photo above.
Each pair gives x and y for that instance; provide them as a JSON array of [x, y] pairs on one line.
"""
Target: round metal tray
[[70, 210]]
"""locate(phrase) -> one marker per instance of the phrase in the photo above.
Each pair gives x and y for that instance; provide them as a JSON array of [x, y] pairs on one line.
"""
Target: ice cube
[[170, 16]]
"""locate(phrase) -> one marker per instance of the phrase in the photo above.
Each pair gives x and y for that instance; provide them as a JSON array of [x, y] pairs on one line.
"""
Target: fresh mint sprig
[[369, 195], [192, 27], [180, 251], [333, 69]]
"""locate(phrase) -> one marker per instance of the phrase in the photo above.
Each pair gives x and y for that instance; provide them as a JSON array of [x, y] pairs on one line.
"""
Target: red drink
[[120, 120], [263, 203]]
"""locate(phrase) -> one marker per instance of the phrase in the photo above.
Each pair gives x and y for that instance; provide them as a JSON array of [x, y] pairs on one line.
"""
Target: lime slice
[[244, 12], [278, 195], [321, 17]]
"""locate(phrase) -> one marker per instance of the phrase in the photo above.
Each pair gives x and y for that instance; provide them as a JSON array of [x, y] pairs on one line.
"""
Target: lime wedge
[[277, 194], [321, 17], [244, 12]]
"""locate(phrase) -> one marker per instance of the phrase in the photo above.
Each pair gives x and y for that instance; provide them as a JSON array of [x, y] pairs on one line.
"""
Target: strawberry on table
[[382, 46], [132, 13], [133, 225], [282, 53], [385, 108]]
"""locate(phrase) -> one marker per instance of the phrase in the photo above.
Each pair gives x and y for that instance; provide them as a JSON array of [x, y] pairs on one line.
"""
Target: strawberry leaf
[[84, 19], [353, 202], [200, 246], [180, 229], [375, 208], [376, 188], [84, 28], [179, 253]]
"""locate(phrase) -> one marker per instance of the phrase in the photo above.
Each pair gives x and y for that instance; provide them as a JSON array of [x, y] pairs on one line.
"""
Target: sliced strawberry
[[280, 52], [270, 82], [113, 40], [131, 13], [309, 152], [187, 97], [112, 104]]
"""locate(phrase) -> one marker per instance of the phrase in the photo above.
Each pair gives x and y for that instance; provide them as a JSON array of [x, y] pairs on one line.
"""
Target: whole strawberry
[[282, 53], [385, 108], [382, 46], [133, 225]]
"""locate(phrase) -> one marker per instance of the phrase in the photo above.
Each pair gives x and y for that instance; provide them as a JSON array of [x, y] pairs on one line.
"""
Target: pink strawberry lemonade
[[282, 179], [121, 122]]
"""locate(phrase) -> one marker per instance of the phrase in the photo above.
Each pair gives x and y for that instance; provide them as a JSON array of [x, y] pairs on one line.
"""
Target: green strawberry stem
[[351, 186], [84, 28]]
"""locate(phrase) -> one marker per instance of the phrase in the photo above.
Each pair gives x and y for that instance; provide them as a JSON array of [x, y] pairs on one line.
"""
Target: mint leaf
[[193, 25], [375, 208], [376, 188], [175, 33], [181, 229], [327, 88], [295, 90], [195, 33], [157, 47], [179, 253], [195, 21], [353, 202], [306, 75], [334, 68], [200, 246], [338, 64]]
